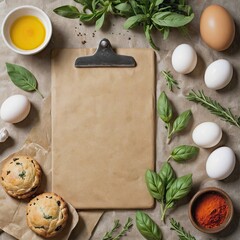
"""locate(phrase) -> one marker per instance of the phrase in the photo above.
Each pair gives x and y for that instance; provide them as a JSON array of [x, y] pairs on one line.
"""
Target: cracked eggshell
[[207, 134], [220, 163], [218, 74], [15, 109]]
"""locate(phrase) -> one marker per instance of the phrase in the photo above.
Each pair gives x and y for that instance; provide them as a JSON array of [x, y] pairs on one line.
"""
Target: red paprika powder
[[210, 210]]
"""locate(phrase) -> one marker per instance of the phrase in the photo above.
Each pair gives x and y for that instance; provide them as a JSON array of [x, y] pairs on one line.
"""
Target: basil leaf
[[185, 8], [179, 189], [171, 19], [164, 108], [167, 175], [67, 11], [22, 78], [181, 121], [165, 32], [135, 7], [124, 8], [80, 1], [147, 227], [155, 185], [184, 152], [147, 31], [100, 22], [85, 17], [133, 21], [158, 2]]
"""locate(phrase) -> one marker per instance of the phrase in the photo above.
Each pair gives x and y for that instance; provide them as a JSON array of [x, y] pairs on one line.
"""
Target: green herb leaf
[[67, 11], [167, 175], [99, 22], [179, 189], [124, 8], [147, 31], [164, 108], [182, 234], [47, 216], [86, 17], [22, 174], [171, 19], [155, 185], [147, 227], [165, 32], [184, 152], [22, 78], [181, 122], [214, 107], [133, 21], [171, 82]]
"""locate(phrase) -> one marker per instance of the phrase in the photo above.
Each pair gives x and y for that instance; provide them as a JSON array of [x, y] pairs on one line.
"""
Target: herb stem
[[168, 159], [169, 133], [39, 92], [164, 210]]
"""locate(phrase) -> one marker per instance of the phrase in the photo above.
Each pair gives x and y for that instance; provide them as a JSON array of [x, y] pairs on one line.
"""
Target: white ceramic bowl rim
[[23, 11]]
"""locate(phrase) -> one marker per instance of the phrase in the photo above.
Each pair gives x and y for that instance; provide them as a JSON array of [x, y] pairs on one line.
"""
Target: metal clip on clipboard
[[105, 57]]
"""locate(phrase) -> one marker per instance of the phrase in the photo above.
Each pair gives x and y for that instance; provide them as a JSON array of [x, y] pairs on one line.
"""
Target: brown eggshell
[[217, 27]]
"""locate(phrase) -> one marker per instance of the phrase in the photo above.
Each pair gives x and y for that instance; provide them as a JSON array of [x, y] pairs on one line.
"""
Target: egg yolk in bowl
[[27, 32]]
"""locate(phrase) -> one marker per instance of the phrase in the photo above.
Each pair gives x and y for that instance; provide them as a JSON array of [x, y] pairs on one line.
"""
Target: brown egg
[[217, 27]]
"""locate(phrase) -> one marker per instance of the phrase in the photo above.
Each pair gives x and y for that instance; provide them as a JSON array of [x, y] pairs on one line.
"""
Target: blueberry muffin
[[21, 176], [47, 214]]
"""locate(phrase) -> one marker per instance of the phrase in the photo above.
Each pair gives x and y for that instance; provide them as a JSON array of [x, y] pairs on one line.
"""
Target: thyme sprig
[[171, 82], [127, 226], [214, 107], [182, 234]]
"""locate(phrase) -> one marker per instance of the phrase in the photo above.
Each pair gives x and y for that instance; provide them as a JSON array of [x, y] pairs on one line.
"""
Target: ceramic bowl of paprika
[[210, 210]]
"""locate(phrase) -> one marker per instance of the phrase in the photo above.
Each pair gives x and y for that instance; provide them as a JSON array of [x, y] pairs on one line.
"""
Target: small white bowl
[[26, 11]]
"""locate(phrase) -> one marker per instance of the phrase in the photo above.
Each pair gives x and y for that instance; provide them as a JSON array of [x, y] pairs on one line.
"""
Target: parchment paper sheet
[[70, 34]]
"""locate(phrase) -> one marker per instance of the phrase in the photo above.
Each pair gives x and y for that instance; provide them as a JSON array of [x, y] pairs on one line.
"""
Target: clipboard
[[103, 127]]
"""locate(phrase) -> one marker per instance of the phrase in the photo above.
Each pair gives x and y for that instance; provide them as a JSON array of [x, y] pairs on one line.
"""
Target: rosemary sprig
[[171, 82], [214, 107], [127, 226], [182, 234]]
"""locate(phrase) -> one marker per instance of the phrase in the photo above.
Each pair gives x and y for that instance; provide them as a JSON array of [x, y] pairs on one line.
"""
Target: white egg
[[218, 74], [207, 134], [184, 59], [15, 108], [220, 163]]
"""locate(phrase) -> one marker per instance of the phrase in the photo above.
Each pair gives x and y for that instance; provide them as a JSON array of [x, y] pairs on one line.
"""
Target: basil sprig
[[155, 15], [165, 112], [183, 153], [22, 78], [147, 227], [166, 188]]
